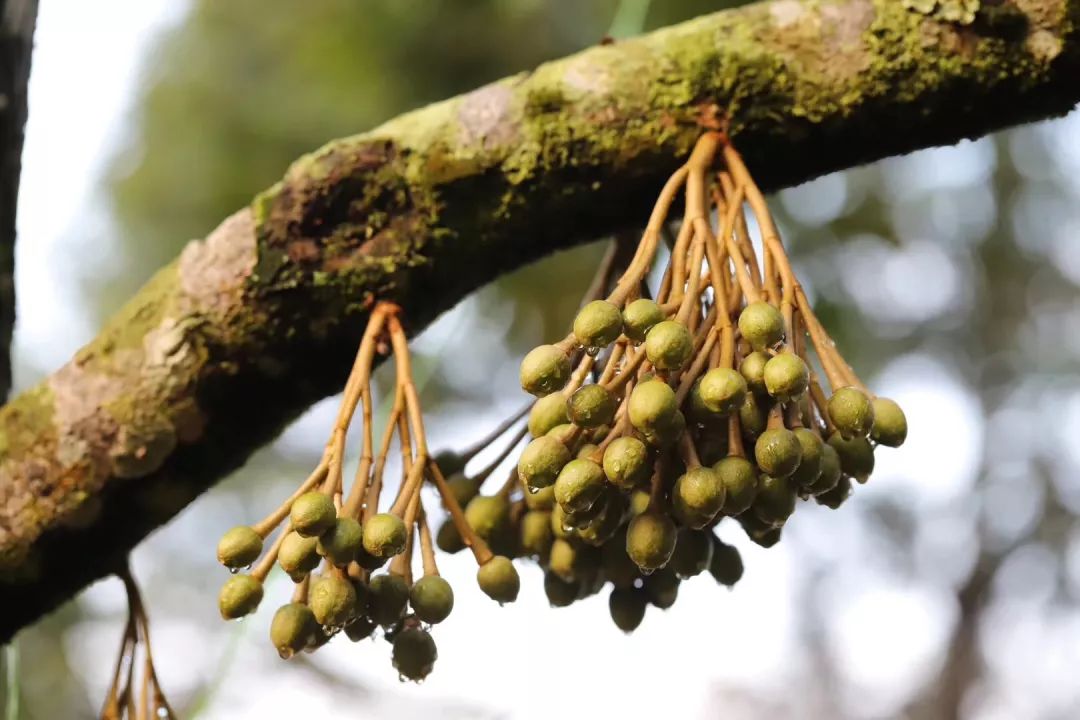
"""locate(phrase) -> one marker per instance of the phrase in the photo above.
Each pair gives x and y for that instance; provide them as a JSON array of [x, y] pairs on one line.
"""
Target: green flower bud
[[830, 471], [499, 579], [851, 412], [546, 413], [650, 540], [541, 461], [835, 497], [856, 456], [239, 547], [662, 588], [292, 629], [563, 433], [740, 480], [890, 424], [778, 452], [450, 462], [298, 555], [753, 416], [639, 317], [626, 463], [669, 345], [544, 370], [759, 532], [813, 450], [384, 535], [332, 599], [666, 435], [652, 405], [639, 502], [341, 542], [591, 406], [598, 324], [463, 488], [722, 390], [693, 553], [616, 564], [712, 445], [579, 485], [448, 539], [432, 599], [563, 560], [488, 515], [388, 594], [627, 607], [697, 497], [613, 507], [752, 368], [312, 514], [536, 534], [544, 499], [726, 565], [786, 376], [239, 596], [775, 500], [414, 653], [761, 325], [360, 628], [560, 593]]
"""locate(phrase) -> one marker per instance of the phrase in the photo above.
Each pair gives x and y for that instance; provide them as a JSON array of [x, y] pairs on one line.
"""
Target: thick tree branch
[[251, 325]]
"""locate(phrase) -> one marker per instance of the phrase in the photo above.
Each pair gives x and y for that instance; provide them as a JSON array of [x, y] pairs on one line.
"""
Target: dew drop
[[645, 571], [233, 571], [401, 678], [163, 712], [532, 490], [592, 351], [247, 568], [285, 653]]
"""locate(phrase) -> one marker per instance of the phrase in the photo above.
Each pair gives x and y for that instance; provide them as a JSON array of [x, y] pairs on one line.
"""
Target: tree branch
[[251, 325]]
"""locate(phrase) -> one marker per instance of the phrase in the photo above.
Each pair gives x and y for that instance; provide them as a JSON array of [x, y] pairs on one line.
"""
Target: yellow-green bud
[[752, 368], [652, 405], [239, 596], [384, 535], [298, 555], [414, 653], [342, 541], [312, 514], [813, 449], [499, 579], [639, 317], [544, 370], [650, 540], [778, 452], [579, 485], [775, 500], [740, 480], [332, 599], [541, 461], [890, 423], [626, 463], [722, 390], [598, 324], [536, 535], [239, 547], [292, 629], [387, 597], [697, 497], [669, 345], [546, 413], [432, 599], [856, 456], [487, 515], [786, 376], [851, 412], [591, 406], [761, 325]]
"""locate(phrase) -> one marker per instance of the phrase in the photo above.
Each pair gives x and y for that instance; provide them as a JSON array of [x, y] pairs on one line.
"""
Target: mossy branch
[[248, 327]]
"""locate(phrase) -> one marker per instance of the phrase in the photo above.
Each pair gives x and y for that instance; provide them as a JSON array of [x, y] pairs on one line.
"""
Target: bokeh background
[[949, 587]]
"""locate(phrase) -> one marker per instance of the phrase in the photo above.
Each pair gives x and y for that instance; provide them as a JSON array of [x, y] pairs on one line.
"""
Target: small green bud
[[384, 535], [414, 653], [541, 461], [333, 600], [544, 499], [579, 485], [761, 325], [662, 588], [786, 376], [752, 368], [627, 607], [639, 317], [463, 487], [775, 500], [591, 406], [652, 405], [856, 456], [360, 628], [312, 514], [239, 547], [830, 471], [666, 435], [239, 596], [432, 599], [616, 564], [851, 412], [598, 324], [292, 629], [697, 497], [693, 553], [536, 535], [890, 423], [712, 446], [298, 555], [563, 433], [726, 566], [650, 540], [563, 560], [669, 345], [488, 515], [813, 450], [753, 416], [835, 497], [387, 597], [448, 539], [722, 390], [740, 480], [546, 413], [449, 462], [560, 593], [778, 452], [342, 541], [639, 502], [761, 533], [499, 579], [626, 463], [586, 452], [545, 370]]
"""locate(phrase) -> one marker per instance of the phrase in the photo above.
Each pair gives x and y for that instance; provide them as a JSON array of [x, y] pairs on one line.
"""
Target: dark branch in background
[[251, 325], [17, 19]]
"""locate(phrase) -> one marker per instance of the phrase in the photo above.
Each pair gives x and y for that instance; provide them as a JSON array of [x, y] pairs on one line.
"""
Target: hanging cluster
[[662, 413], [334, 540]]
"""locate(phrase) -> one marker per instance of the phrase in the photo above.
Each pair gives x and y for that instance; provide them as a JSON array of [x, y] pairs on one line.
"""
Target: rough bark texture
[[251, 325]]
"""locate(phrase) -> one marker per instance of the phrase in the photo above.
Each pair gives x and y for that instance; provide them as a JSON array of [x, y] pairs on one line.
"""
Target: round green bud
[[890, 423], [239, 596], [450, 462], [626, 463], [759, 532], [726, 565], [639, 317], [753, 416], [666, 435], [851, 412], [639, 502], [543, 499], [541, 461], [662, 588], [499, 580], [414, 653], [384, 535], [560, 593], [563, 559], [693, 553], [786, 376], [546, 413], [598, 324], [856, 456], [830, 471], [752, 368], [740, 480], [835, 497], [775, 500], [536, 535], [341, 542], [298, 555], [448, 539], [488, 515], [544, 370], [239, 547], [463, 488], [722, 390], [627, 607], [579, 485], [360, 628], [652, 405], [388, 594], [669, 345], [432, 599], [777, 452], [813, 454], [650, 540], [712, 446], [292, 629], [312, 514], [591, 406], [332, 599], [616, 564], [697, 497], [761, 325]]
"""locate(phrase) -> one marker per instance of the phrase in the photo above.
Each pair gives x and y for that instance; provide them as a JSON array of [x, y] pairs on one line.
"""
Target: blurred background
[[949, 587]]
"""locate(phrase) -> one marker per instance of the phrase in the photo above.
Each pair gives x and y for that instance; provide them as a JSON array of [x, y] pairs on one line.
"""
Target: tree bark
[[251, 325]]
